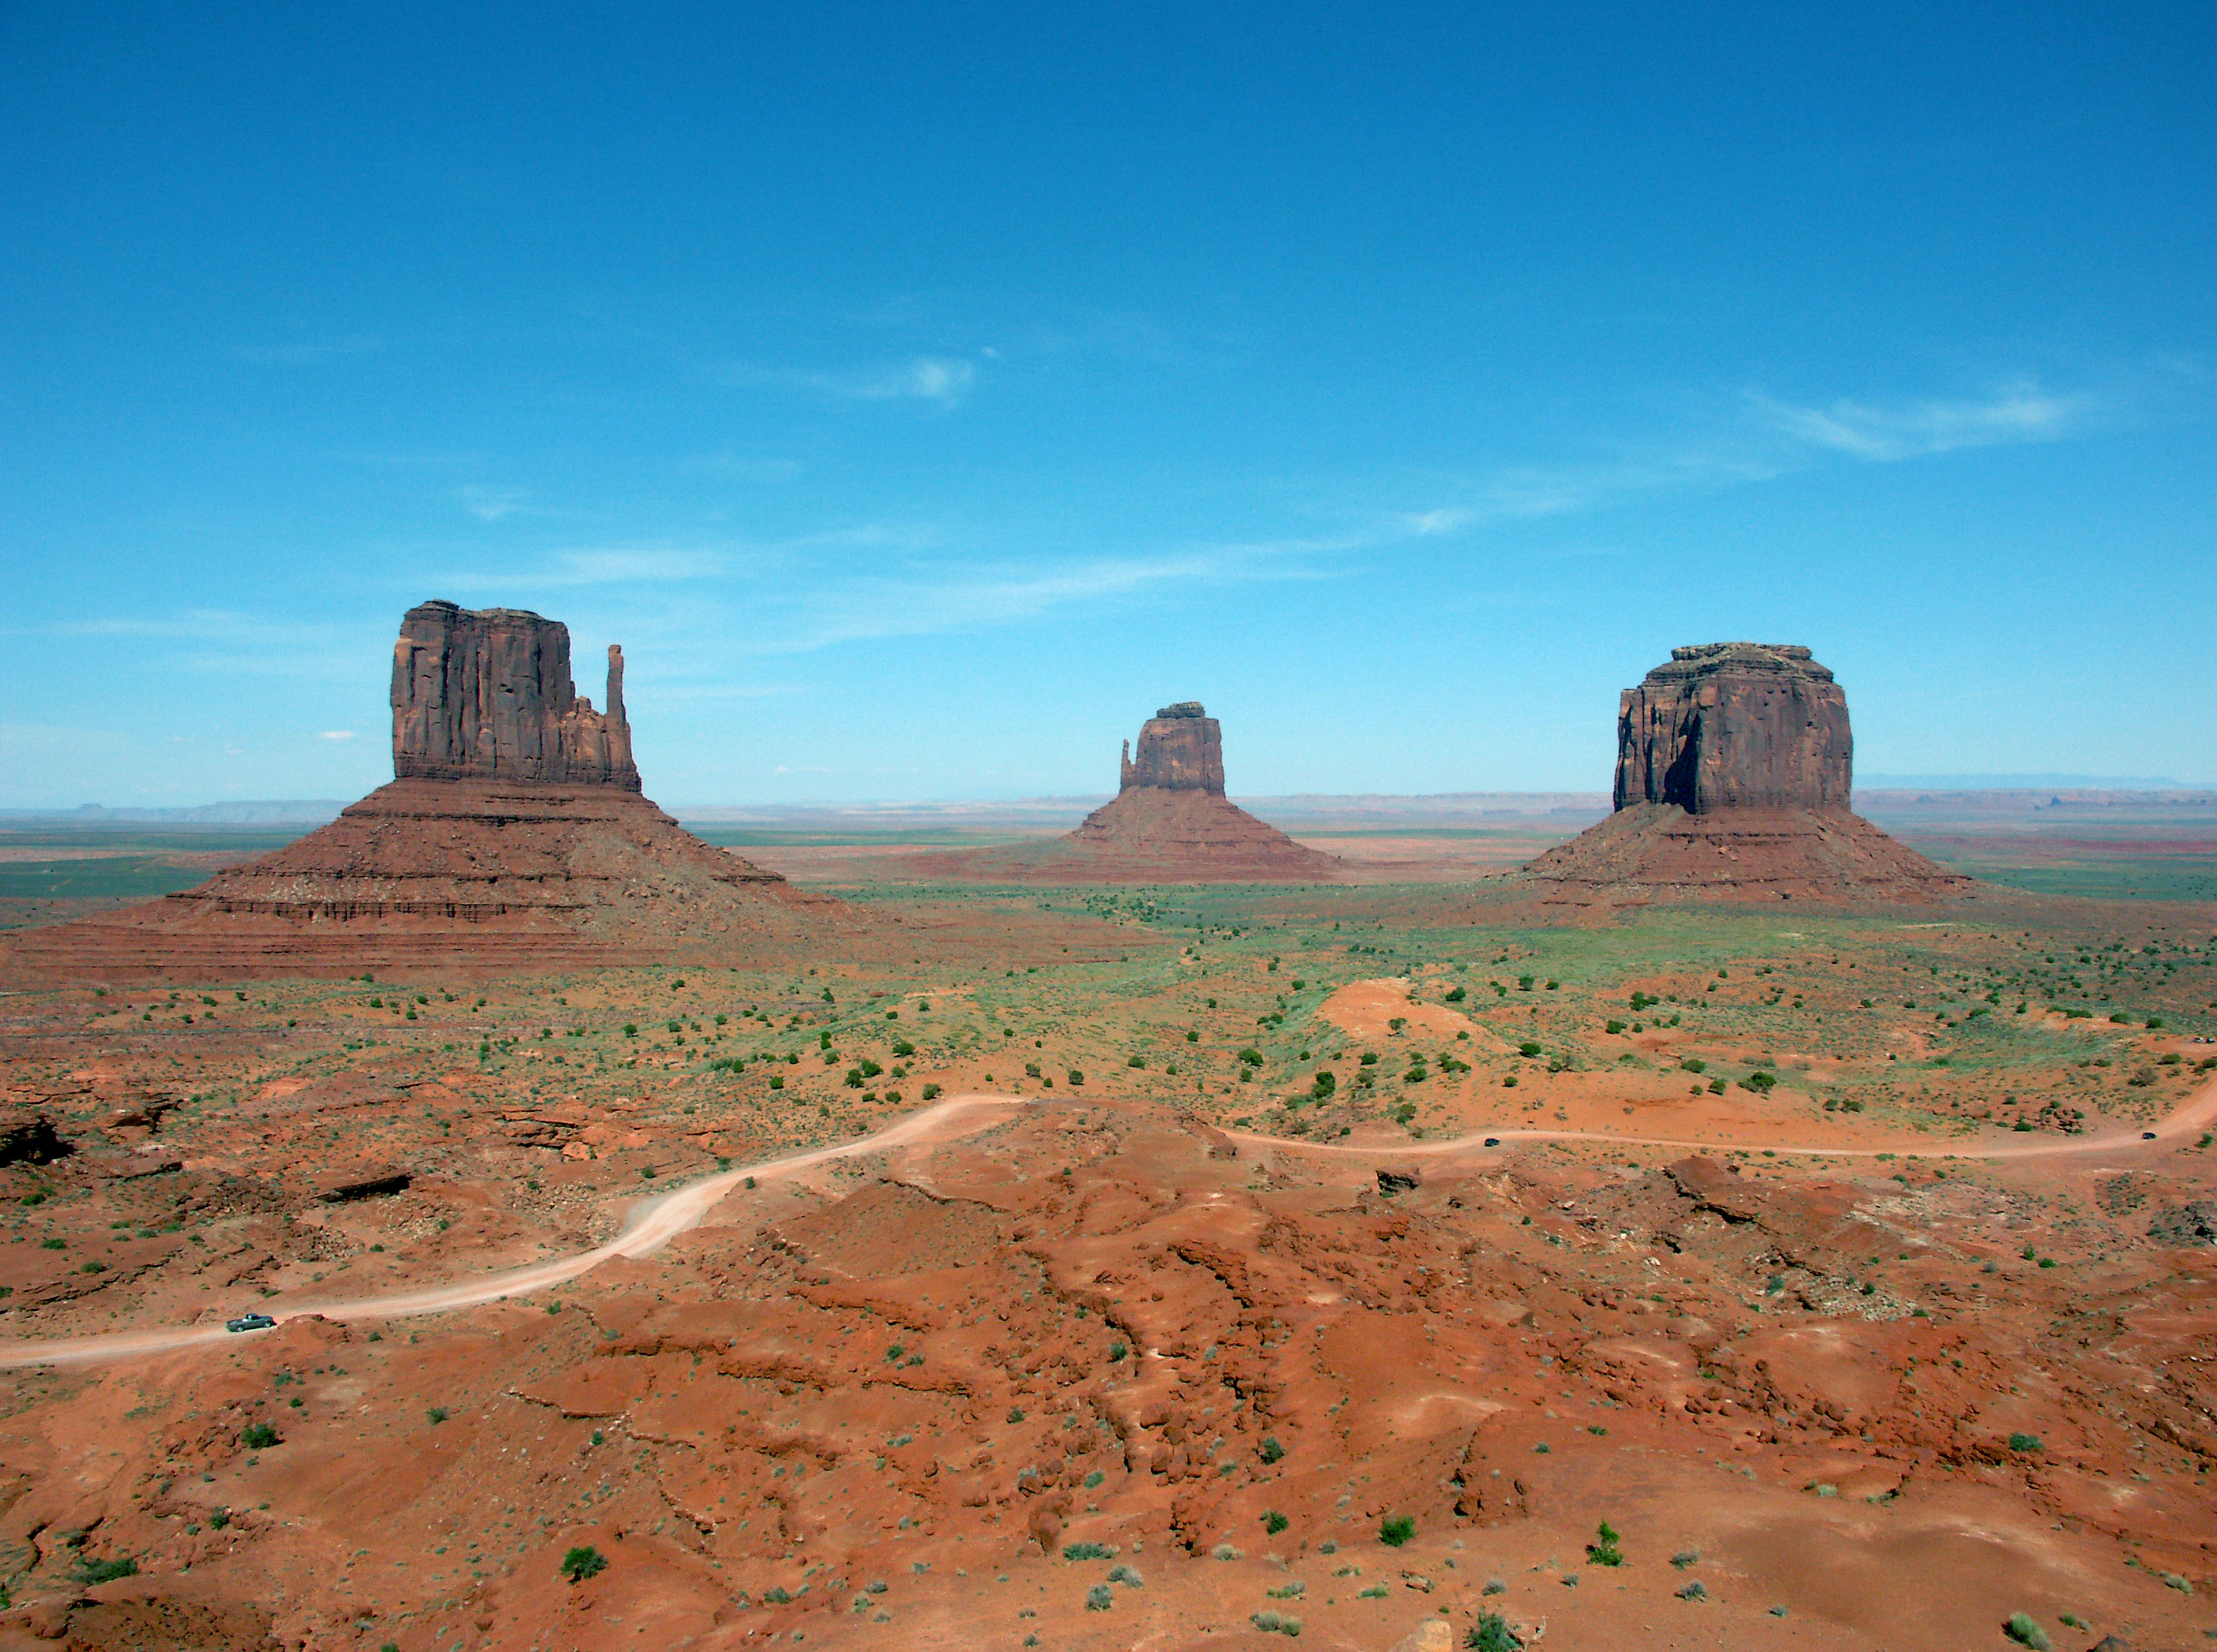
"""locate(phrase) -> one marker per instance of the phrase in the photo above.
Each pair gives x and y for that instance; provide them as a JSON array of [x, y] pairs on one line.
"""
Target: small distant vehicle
[[2147, 1135], [249, 1323], [1493, 1141]]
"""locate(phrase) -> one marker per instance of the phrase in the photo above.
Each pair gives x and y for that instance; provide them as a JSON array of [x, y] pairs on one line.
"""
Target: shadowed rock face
[[1180, 749], [1732, 725], [487, 695]]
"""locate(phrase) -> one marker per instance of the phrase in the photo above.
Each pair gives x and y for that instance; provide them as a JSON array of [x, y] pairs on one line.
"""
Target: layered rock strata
[[1734, 769], [1169, 822], [1735, 725], [1180, 749], [488, 696], [514, 835]]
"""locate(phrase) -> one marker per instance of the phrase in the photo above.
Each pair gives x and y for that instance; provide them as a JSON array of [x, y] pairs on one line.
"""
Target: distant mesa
[[514, 836], [1169, 822], [1734, 769]]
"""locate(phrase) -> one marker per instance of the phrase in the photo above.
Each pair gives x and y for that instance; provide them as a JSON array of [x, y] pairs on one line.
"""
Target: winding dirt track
[[654, 1223], [651, 1224]]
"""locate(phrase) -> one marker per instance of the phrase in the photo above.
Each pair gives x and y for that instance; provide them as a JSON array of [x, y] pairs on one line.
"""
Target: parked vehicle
[[249, 1323]]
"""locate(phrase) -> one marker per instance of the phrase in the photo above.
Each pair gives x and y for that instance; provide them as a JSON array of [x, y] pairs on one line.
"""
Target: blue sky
[[923, 394]]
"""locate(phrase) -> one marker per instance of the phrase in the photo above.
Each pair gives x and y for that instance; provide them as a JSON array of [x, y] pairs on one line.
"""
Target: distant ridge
[[309, 812], [2020, 783]]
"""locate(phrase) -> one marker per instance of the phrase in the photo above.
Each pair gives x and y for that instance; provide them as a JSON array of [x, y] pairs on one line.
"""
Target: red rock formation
[[1733, 768], [514, 837], [488, 696], [1729, 725], [1180, 749], [1169, 823]]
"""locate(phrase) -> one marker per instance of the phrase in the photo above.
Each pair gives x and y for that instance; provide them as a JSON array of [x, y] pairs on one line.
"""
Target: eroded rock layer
[[487, 695], [1732, 725], [478, 872], [1169, 823], [515, 837], [1180, 749], [1734, 768], [1657, 851]]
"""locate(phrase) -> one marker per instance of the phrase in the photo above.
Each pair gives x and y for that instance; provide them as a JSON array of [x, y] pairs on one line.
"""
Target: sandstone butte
[[1169, 823], [514, 835], [1734, 770]]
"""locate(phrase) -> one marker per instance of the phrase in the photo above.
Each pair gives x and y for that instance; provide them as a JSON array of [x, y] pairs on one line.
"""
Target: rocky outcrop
[[1169, 822], [487, 695], [1730, 725], [1733, 768], [514, 837], [1180, 749]]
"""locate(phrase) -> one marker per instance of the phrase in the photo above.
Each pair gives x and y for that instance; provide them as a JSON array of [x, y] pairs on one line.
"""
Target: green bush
[[1276, 1622], [1603, 1550], [1761, 1083], [1493, 1634], [1396, 1529], [106, 1571], [1086, 1551], [1099, 1597], [1271, 1450], [1251, 1056], [1274, 1522], [2021, 1628], [2024, 1442], [582, 1562], [260, 1437], [1528, 1048]]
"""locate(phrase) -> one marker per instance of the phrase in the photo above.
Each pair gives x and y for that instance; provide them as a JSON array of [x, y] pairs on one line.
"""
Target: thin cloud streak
[[2020, 412], [943, 380]]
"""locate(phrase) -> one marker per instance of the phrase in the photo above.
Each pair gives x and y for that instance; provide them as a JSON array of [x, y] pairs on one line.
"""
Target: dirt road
[[653, 1223]]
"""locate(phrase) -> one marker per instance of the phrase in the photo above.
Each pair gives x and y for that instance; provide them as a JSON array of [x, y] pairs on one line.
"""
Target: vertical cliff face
[[1180, 749], [487, 695], [1728, 725]]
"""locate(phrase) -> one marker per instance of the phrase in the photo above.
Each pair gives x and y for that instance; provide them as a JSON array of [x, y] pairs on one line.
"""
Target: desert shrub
[[1274, 1522], [1694, 1064], [1126, 1576], [1099, 1597], [1693, 1591], [1086, 1551], [2024, 1631], [1761, 1083], [1293, 1590], [2024, 1442], [1251, 1056], [260, 1436], [1271, 1451], [582, 1562], [1275, 1623], [1327, 1081], [106, 1571], [1493, 1634], [1603, 1550], [1528, 1048], [1396, 1529], [932, 1092], [1612, 1026], [1685, 1558]]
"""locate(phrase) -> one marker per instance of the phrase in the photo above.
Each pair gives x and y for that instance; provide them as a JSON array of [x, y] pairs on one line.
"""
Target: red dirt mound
[[487, 873], [1657, 851], [1150, 835]]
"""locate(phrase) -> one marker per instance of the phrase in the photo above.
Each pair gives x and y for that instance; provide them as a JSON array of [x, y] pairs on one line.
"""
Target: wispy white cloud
[[491, 504], [335, 734], [2019, 412], [941, 378]]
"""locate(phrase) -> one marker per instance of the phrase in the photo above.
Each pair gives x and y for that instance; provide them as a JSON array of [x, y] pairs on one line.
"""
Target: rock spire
[[487, 695]]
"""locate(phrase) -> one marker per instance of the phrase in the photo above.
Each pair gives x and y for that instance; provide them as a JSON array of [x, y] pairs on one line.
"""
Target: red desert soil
[[1091, 1371]]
